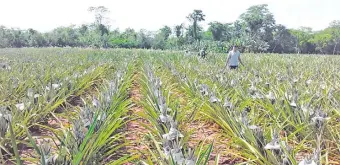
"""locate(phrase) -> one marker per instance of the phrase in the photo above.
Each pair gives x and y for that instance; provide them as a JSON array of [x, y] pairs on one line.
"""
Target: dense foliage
[[256, 31]]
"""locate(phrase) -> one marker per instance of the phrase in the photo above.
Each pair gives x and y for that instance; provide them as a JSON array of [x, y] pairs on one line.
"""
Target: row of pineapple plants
[[302, 104], [70, 78], [218, 112], [41, 100], [168, 143], [235, 123], [95, 136]]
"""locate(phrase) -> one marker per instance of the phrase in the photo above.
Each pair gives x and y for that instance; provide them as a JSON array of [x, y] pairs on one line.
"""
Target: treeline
[[255, 31]]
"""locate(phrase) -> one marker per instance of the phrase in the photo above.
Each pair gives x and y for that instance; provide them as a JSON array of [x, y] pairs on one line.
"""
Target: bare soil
[[207, 132], [135, 127]]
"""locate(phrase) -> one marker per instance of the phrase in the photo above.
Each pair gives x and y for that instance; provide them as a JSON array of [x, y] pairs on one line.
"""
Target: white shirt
[[233, 61]]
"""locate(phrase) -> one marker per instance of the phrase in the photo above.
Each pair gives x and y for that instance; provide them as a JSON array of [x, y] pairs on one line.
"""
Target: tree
[[284, 41], [144, 39], [260, 24], [83, 29], [195, 17], [64, 36], [322, 41], [31, 37], [101, 26], [17, 38], [99, 14], [165, 32], [304, 36], [192, 35], [161, 38], [217, 30], [327, 40], [334, 29], [4, 41], [35, 39], [159, 42], [127, 39], [179, 30], [220, 32]]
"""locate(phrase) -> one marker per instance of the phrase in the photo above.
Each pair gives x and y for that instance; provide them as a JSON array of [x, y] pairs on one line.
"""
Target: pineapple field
[[70, 106]]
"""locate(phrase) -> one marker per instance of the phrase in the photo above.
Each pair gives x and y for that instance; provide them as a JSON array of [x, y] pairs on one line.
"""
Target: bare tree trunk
[[335, 47], [297, 49], [274, 48], [297, 46], [195, 30]]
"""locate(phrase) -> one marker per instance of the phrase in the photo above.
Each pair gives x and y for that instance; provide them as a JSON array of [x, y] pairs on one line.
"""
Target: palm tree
[[195, 17]]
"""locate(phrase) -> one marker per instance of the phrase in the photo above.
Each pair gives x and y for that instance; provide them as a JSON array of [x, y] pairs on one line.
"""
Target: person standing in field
[[203, 52], [234, 57], [186, 53]]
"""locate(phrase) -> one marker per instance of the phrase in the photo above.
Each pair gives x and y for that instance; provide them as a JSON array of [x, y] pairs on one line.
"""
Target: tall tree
[[303, 36], [179, 30], [321, 40], [284, 41], [327, 40], [99, 14], [35, 38], [195, 17], [83, 29], [144, 39], [220, 32], [161, 38], [100, 23], [217, 29], [260, 25], [165, 32], [335, 31], [193, 34]]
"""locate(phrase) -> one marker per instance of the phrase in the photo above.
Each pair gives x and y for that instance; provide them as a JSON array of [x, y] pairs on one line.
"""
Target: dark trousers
[[233, 67]]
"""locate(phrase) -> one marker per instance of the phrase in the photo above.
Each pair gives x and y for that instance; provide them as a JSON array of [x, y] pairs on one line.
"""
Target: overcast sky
[[44, 15]]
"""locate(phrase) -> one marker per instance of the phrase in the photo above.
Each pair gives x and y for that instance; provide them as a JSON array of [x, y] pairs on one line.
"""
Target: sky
[[44, 15]]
